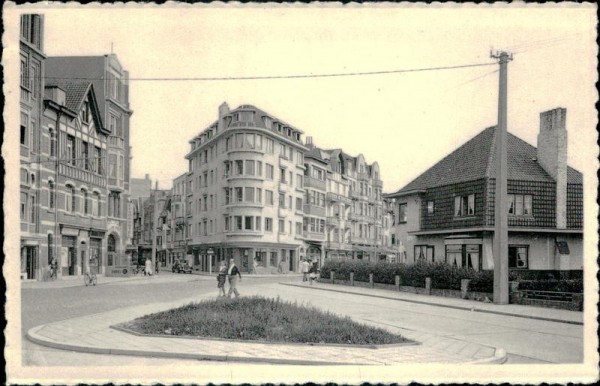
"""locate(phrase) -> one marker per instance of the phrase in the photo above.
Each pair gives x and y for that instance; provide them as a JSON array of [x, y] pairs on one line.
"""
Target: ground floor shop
[[250, 258]]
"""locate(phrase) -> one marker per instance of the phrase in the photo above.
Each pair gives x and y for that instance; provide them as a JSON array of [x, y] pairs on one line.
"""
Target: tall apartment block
[[31, 47], [256, 193], [110, 82]]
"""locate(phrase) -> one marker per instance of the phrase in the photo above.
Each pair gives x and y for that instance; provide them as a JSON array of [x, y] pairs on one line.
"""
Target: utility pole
[[500, 247]]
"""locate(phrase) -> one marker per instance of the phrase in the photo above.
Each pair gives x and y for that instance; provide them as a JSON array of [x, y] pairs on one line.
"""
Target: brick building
[[447, 213]]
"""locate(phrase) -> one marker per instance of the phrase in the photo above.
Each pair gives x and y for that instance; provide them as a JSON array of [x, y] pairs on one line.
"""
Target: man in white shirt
[[304, 270]]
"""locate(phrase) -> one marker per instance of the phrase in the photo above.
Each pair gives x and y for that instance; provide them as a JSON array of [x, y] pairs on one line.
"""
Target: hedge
[[443, 276], [575, 285]]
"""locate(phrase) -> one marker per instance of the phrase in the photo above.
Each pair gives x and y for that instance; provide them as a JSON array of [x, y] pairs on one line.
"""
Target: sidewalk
[[516, 310], [93, 334]]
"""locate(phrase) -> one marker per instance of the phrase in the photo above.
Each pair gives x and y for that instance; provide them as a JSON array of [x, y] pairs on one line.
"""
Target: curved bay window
[[112, 250]]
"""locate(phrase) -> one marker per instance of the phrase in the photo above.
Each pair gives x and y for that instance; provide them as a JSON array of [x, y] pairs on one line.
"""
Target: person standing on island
[[233, 270], [222, 275]]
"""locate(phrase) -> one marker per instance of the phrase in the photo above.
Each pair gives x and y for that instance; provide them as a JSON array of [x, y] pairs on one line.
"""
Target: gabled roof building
[[447, 213]]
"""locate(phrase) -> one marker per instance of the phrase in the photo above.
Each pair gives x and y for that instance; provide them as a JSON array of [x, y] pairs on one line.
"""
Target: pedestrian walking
[[280, 267], [304, 269], [312, 272], [156, 268], [233, 280], [221, 276], [148, 267]]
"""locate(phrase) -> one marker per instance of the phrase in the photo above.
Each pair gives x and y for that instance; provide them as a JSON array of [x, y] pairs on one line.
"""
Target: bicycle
[[90, 278]]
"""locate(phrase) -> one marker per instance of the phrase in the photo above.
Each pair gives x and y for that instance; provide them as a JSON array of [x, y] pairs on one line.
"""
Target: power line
[[267, 77], [472, 80], [541, 41]]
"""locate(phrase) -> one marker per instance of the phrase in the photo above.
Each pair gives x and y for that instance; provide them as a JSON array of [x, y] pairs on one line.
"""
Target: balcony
[[378, 183], [335, 197], [83, 175], [333, 221], [314, 236], [310, 182], [179, 221], [361, 240], [314, 210], [338, 245], [354, 195], [363, 176], [114, 141]]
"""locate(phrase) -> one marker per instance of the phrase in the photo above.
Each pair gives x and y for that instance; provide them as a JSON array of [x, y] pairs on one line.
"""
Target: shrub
[[443, 276], [574, 285]]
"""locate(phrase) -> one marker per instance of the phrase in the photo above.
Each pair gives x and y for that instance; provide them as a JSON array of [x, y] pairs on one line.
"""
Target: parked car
[[181, 267]]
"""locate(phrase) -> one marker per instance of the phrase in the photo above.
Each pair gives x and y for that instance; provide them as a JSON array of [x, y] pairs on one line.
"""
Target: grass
[[261, 319]]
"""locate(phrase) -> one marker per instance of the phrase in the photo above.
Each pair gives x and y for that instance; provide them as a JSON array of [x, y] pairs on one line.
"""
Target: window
[[95, 204], [402, 213], [248, 220], [51, 194], [464, 205], [32, 209], [249, 195], [227, 198], [24, 72], [23, 206], [239, 194], [238, 223], [282, 175], [239, 167], [269, 197], [259, 168], [250, 168], [281, 200], [70, 198], [518, 256], [259, 195], [257, 223], [299, 181], [281, 226], [298, 228], [85, 154], [50, 248], [84, 197], [270, 146], [227, 224], [298, 203], [425, 252], [24, 131], [52, 144], [269, 172], [520, 204], [268, 224], [430, 207]]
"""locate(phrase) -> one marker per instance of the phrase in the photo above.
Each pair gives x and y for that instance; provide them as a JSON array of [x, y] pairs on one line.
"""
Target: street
[[526, 340]]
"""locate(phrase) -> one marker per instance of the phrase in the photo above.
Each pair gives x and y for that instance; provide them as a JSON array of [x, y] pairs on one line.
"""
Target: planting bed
[[261, 319]]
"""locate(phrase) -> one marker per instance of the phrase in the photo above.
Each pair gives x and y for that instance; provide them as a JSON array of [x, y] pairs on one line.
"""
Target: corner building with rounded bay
[[244, 193]]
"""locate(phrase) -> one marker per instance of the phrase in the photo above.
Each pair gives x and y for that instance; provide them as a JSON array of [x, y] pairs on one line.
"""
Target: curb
[[119, 327], [32, 336], [472, 309]]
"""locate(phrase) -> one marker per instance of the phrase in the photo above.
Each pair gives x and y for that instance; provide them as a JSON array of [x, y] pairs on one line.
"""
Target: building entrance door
[[292, 262], [30, 262]]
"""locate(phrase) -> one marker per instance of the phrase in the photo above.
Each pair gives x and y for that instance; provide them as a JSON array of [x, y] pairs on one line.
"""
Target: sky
[[405, 121]]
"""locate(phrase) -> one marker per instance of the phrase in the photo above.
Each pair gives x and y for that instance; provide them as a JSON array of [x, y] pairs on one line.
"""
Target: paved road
[[50, 302], [527, 340]]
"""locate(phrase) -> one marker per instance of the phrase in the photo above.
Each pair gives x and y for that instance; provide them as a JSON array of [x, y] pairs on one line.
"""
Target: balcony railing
[[333, 221], [115, 141], [335, 197], [354, 195], [378, 183], [314, 210], [81, 174], [338, 245], [310, 182], [314, 236]]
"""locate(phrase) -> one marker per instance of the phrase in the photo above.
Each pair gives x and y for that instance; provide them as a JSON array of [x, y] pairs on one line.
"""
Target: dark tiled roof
[[75, 92], [475, 159]]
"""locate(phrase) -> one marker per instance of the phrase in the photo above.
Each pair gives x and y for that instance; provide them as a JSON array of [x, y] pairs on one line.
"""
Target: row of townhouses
[[74, 160], [257, 192]]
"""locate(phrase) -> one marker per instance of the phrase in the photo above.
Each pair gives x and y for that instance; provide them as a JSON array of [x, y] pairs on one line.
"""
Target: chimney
[[552, 156], [309, 142], [223, 110], [156, 185]]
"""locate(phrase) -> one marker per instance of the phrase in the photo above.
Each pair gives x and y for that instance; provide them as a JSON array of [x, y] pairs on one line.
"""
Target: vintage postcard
[[290, 193]]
